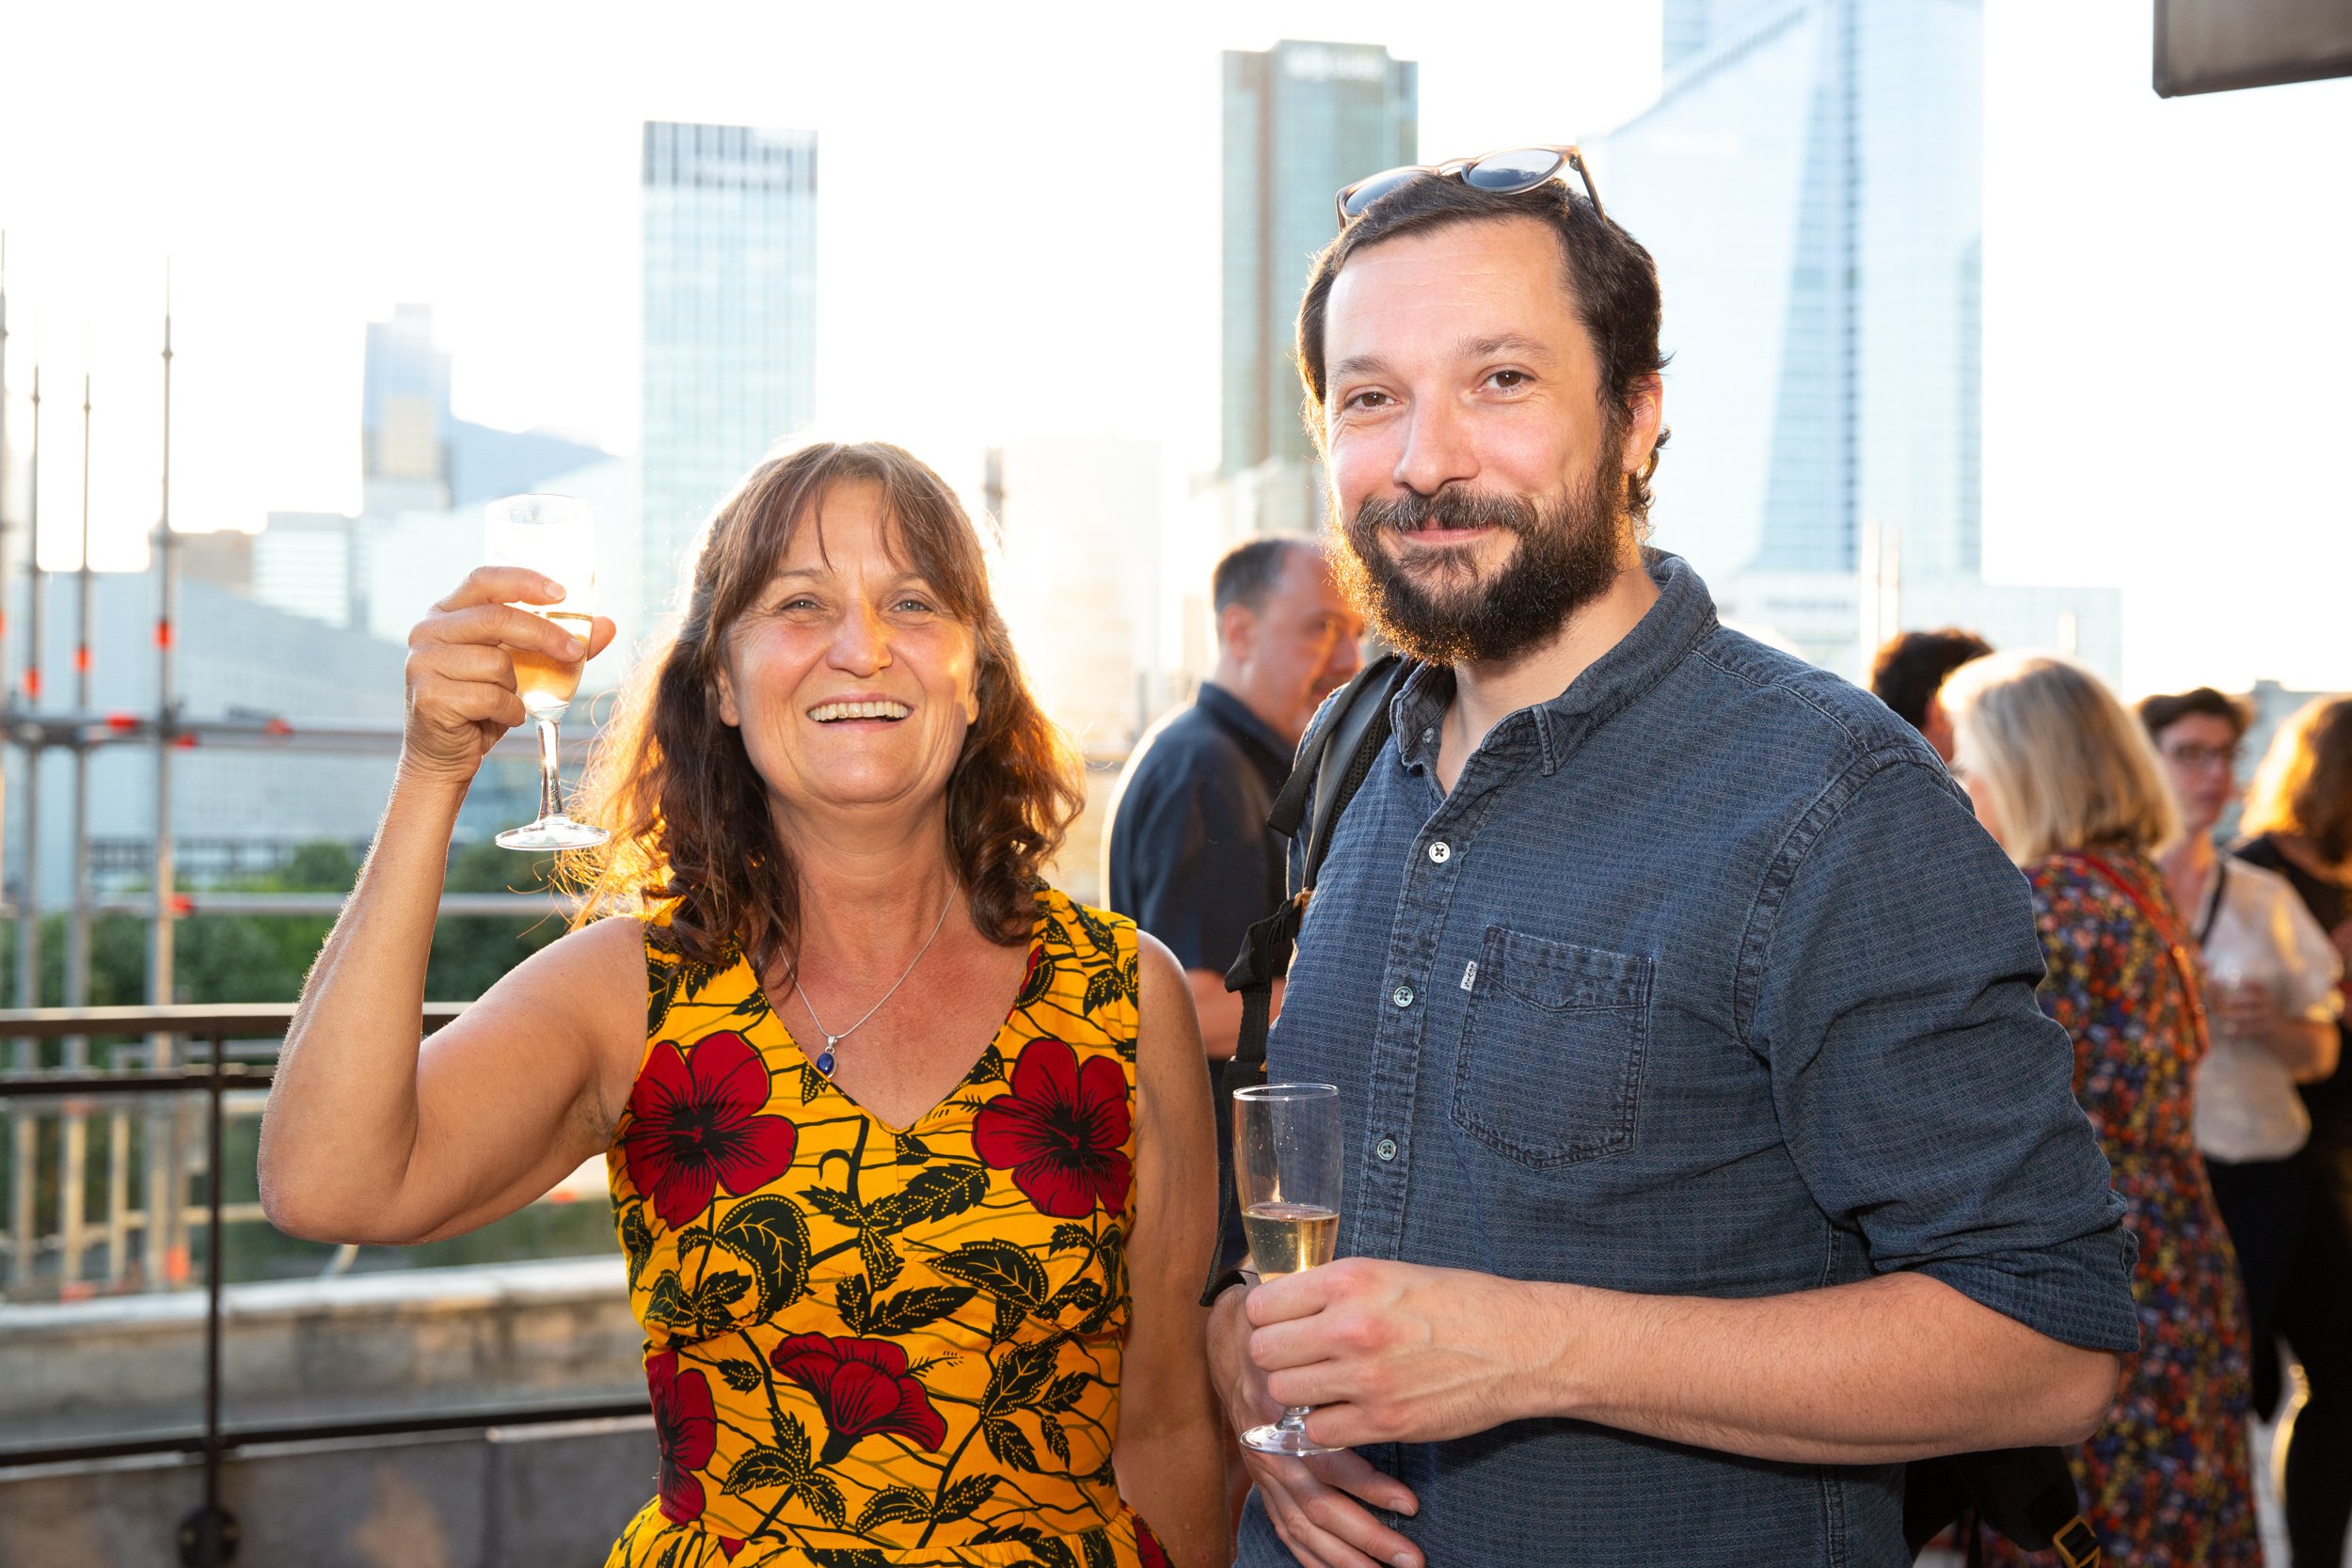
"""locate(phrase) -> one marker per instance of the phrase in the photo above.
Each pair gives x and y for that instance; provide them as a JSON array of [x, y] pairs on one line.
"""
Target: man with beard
[[1706, 1155]]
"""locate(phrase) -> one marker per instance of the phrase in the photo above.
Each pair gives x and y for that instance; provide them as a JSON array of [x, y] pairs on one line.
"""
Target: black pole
[[208, 1537]]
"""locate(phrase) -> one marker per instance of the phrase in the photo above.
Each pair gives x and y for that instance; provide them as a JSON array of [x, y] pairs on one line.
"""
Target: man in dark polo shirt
[[1189, 857]]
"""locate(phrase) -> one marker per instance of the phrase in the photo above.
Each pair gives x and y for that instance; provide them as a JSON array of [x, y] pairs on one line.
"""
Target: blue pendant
[[824, 1059]]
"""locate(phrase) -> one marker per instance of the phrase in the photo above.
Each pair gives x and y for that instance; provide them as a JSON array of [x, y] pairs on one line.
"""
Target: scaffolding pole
[[29, 880], [20, 1127], [164, 1255], [73, 1197]]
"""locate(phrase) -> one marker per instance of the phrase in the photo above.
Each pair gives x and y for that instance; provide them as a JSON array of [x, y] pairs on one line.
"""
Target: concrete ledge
[[404, 1340], [552, 1496]]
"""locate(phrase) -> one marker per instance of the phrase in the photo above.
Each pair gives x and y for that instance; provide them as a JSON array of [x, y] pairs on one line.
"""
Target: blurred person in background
[[1189, 857], [2298, 823], [1910, 669], [976, 1208], [2067, 781], [2271, 1000]]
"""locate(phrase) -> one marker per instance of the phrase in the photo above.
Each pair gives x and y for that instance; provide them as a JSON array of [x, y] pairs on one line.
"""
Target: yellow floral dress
[[868, 1346]]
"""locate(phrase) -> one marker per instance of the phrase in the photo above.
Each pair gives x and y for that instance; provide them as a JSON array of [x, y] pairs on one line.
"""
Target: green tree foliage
[[264, 958]]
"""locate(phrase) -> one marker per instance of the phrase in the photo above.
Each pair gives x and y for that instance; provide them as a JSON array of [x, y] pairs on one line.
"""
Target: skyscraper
[[404, 415], [1301, 120], [1809, 183], [730, 327]]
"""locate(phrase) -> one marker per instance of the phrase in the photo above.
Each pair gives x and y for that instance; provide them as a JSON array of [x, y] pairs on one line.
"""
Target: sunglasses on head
[[1506, 173]]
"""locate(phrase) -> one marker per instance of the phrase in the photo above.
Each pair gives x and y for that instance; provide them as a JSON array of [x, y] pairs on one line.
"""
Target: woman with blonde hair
[[2068, 783], [909, 1151], [2298, 823]]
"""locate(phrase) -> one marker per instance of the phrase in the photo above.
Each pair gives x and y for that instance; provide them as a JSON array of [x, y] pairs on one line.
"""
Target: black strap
[[1356, 729], [2213, 900]]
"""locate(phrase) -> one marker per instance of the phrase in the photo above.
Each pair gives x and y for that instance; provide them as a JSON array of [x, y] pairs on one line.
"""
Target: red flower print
[[694, 1126], [730, 1547], [862, 1386], [1059, 1131], [1148, 1547], [1037, 979], [685, 1429]]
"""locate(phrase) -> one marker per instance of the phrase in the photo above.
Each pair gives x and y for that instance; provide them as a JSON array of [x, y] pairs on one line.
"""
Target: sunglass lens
[[1371, 190], [1522, 170]]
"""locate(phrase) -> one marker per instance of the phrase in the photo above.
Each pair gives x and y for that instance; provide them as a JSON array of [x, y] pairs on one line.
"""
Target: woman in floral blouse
[[2067, 781], [909, 1154]]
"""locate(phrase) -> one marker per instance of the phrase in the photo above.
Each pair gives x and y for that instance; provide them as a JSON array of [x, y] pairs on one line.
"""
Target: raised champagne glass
[[556, 537], [1286, 1169]]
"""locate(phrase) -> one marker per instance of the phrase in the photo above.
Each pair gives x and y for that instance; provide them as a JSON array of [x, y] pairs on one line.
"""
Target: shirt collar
[[1236, 715], [1683, 615]]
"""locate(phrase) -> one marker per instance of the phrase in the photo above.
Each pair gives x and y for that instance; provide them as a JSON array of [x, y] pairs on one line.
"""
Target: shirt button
[[1401, 996], [1427, 736], [1386, 1148], [1440, 852]]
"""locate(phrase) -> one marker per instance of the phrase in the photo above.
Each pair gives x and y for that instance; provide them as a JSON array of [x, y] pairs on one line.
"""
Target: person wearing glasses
[[909, 1153], [2270, 994], [1708, 1157], [2298, 823]]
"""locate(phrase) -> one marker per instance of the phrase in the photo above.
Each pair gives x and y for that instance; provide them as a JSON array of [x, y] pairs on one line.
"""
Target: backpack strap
[[1358, 728]]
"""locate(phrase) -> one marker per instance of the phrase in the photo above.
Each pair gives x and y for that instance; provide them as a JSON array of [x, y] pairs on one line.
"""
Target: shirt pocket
[[1550, 1070]]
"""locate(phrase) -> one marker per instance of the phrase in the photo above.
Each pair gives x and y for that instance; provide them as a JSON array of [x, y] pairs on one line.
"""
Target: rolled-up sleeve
[[1926, 1098]]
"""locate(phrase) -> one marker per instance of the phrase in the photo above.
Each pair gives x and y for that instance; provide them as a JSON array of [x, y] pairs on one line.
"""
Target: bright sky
[[1018, 236]]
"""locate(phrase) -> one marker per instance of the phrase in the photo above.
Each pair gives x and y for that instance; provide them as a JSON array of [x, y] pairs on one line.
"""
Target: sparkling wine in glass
[[1286, 1169], [556, 537]]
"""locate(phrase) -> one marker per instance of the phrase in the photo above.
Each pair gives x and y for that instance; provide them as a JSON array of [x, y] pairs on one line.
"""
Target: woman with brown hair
[[2298, 823], [2067, 782], [910, 1153]]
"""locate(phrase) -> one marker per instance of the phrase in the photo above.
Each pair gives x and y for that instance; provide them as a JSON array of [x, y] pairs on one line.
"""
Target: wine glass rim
[[1287, 1091], [503, 510]]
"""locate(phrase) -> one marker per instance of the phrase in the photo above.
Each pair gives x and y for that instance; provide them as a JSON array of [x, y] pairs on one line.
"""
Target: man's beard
[[1437, 611]]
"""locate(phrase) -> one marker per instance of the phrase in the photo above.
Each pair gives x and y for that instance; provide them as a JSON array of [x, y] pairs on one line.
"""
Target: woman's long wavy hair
[[2304, 783], [689, 816]]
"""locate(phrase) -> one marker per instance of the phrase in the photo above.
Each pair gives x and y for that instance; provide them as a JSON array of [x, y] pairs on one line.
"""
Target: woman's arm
[[370, 1137], [1169, 1449]]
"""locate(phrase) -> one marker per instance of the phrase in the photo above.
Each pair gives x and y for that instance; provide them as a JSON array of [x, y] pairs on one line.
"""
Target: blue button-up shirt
[[1702, 980]]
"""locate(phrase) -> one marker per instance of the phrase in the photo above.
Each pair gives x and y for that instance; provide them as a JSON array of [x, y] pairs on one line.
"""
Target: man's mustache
[[1451, 507]]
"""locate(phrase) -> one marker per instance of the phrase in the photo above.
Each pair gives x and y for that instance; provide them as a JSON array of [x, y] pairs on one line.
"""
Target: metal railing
[[208, 1536]]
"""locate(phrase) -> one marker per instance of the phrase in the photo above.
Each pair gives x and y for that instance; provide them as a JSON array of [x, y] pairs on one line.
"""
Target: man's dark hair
[[1609, 275], [1911, 667], [1246, 573], [2161, 713]]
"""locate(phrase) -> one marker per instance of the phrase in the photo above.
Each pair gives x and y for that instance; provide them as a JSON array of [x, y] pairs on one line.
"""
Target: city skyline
[[2096, 324], [728, 355]]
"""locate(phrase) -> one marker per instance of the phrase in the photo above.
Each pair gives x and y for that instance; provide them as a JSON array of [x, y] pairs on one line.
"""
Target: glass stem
[[549, 807], [1294, 1418]]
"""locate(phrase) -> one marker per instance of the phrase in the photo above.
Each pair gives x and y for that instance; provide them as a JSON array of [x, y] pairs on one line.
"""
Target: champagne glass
[[556, 537], [2224, 977], [1286, 1169]]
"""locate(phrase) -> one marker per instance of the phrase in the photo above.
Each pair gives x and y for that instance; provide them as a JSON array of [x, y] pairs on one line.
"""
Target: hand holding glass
[[1286, 1169], [556, 537]]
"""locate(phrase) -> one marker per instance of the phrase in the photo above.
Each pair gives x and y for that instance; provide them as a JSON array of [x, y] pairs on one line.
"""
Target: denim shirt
[[1702, 980]]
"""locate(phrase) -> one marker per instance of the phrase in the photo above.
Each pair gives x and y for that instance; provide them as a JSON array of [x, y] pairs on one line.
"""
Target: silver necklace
[[824, 1057]]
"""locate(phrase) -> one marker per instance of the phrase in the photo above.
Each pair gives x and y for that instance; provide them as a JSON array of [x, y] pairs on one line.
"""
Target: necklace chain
[[825, 1057]]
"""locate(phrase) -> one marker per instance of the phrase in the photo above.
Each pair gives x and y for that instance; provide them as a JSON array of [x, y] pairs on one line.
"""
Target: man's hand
[[1315, 1503], [1396, 1351]]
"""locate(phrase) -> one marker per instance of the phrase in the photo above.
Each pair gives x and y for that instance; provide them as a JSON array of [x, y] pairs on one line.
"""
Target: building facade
[[1301, 120], [730, 320], [1825, 384]]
